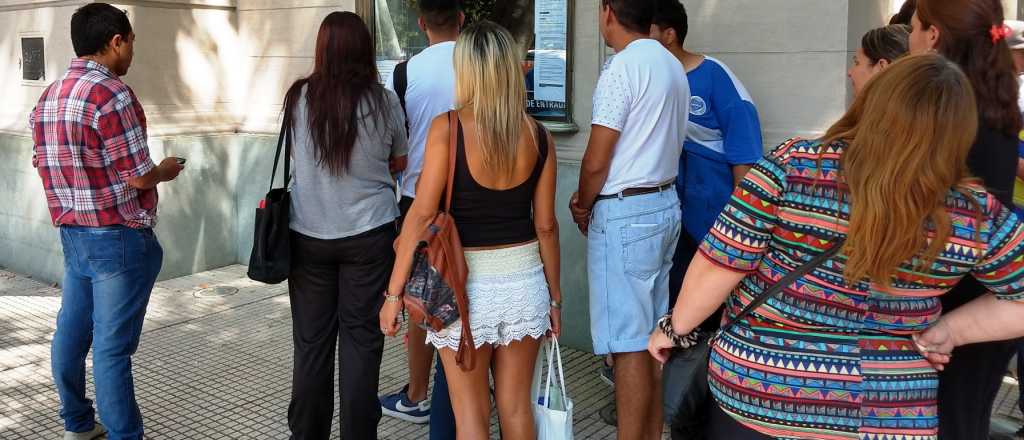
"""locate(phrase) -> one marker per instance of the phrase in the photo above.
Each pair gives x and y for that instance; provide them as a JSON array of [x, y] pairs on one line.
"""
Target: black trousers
[[968, 387], [970, 382], [335, 288]]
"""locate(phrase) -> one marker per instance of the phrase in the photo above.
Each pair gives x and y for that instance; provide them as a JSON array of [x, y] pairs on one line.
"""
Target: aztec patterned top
[[824, 359]]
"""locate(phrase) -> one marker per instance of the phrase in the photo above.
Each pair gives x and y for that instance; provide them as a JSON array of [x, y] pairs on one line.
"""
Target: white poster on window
[[551, 24], [551, 27], [549, 75]]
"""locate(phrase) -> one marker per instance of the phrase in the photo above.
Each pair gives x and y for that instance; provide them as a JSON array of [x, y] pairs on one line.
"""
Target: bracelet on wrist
[[392, 298], [681, 341], [556, 304]]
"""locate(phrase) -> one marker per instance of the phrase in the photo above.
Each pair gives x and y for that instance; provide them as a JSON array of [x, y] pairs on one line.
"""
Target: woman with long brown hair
[[503, 203], [851, 349], [346, 128], [971, 34]]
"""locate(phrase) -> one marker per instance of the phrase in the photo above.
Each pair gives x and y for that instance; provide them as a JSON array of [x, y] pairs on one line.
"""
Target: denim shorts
[[630, 244]]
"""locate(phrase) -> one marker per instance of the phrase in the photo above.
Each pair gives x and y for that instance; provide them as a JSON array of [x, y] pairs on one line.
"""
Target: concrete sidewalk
[[215, 362]]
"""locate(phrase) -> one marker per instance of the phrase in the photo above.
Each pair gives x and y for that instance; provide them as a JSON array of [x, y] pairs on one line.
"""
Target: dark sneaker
[[609, 414], [97, 432], [399, 406]]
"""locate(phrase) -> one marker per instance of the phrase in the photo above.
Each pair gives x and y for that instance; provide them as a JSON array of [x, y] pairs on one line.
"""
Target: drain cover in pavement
[[216, 292]]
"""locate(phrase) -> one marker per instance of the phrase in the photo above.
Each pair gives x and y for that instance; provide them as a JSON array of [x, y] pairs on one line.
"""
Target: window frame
[[566, 125]]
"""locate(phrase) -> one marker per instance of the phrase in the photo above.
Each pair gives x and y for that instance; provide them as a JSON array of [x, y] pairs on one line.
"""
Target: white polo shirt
[[430, 92], [644, 95]]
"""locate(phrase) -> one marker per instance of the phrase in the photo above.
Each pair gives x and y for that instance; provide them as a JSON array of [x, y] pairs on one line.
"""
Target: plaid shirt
[[89, 136]]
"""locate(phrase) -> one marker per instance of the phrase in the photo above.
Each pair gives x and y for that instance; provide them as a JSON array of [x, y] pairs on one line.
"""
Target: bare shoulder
[[439, 124], [438, 136]]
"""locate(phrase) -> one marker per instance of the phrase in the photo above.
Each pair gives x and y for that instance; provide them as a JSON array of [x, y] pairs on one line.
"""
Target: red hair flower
[[1000, 32]]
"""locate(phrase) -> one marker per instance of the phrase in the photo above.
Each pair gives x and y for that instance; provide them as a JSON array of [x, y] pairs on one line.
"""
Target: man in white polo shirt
[[426, 88], [628, 207]]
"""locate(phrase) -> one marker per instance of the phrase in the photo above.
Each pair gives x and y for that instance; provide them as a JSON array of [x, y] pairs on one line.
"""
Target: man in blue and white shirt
[[723, 138]]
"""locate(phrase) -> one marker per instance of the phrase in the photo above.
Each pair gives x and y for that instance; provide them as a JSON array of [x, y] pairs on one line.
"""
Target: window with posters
[[541, 27]]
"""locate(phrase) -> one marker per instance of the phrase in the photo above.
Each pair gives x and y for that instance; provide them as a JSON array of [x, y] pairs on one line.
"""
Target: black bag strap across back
[[790, 278], [283, 140], [400, 80]]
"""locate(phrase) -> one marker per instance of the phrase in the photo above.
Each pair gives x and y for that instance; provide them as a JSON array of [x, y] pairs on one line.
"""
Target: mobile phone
[[181, 160]]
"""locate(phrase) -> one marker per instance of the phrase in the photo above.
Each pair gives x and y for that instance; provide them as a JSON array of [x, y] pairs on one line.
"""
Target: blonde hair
[[909, 133], [490, 84]]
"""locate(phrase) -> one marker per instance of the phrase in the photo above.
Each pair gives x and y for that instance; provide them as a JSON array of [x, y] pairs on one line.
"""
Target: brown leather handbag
[[435, 295]]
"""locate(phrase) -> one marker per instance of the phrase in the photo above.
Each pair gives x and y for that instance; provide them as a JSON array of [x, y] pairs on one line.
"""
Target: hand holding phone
[[169, 168]]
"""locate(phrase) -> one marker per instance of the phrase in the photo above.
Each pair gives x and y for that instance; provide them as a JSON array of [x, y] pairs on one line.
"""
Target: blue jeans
[[630, 244], [109, 274], [1020, 374], [442, 416]]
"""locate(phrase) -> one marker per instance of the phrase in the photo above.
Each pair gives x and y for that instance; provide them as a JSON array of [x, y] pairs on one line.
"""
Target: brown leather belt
[[630, 192]]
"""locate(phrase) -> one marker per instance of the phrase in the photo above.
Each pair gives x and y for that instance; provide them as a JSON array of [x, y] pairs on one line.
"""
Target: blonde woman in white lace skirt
[[504, 208]]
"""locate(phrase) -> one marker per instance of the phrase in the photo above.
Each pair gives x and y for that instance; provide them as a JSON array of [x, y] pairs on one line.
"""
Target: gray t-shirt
[[329, 207]]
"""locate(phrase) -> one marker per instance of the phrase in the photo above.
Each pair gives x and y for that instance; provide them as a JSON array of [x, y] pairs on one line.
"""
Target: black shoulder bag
[[686, 396], [271, 250]]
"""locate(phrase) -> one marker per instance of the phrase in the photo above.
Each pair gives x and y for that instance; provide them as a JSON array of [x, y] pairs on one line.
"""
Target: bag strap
[[453, 146], [555, 355], [787, 280], [464, 356], [538, 374], [551, 370], [561, 371], [284, 139], [543, 149], [400, 80]]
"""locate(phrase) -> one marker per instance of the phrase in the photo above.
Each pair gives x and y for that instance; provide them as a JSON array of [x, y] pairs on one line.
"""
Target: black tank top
[[485, 217]]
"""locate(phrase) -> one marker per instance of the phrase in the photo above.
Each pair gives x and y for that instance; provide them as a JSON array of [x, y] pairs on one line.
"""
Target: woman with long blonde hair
[[853, 348], [503, 206]]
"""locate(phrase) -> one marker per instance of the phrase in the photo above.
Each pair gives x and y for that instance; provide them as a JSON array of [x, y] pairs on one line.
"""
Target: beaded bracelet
[[685, 341]]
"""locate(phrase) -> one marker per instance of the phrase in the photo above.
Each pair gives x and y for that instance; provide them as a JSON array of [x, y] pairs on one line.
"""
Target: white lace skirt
[[508, 298]]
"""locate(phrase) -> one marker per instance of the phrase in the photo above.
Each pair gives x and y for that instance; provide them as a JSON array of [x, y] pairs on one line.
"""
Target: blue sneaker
[[397, 405]]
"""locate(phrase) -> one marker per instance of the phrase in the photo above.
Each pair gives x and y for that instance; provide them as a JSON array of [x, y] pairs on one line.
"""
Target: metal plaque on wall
[[33, 61]]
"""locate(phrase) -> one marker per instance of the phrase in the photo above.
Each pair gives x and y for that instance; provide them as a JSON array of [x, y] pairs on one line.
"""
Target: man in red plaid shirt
[[90, 149]]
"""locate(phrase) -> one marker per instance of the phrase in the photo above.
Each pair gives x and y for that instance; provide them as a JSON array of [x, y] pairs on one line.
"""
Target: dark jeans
[[685, 251], [442, 416], [724, 427], [109, 274], [336, 291]]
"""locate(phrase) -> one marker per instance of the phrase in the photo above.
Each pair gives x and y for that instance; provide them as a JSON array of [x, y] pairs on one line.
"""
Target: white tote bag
[[553, 408]]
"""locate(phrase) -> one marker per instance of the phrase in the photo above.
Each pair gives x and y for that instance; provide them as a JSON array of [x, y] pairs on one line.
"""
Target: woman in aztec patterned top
[[851, 350]]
